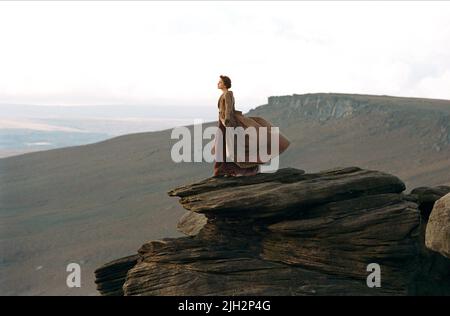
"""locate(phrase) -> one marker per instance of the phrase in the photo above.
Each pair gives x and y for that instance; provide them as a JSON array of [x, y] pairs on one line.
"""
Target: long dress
[[251, 164]]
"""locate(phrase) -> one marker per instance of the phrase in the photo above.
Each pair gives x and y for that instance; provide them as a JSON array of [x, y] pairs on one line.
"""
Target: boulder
[[437, 237]]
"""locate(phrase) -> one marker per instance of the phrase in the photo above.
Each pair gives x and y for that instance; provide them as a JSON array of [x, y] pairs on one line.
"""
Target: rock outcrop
[[287, 233], [438, 228], [425, 197], [111, 277]]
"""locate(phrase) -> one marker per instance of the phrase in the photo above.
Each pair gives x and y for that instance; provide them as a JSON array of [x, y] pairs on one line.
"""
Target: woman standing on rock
[[229, 117]]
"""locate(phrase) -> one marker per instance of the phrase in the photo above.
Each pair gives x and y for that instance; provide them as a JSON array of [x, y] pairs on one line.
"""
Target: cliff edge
[[290, 233]]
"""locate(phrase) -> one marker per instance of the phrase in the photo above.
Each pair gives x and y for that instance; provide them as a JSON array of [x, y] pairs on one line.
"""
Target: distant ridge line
[[359, 95]]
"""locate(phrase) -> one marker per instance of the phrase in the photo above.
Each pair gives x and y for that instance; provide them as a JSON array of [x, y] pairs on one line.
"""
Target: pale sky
[[172, 53]]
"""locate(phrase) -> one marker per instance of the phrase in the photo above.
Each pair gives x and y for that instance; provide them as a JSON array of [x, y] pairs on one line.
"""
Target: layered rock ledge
[[289, 233]]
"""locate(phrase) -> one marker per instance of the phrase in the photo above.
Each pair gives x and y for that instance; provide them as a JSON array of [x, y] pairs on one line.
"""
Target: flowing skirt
[[253, 160]]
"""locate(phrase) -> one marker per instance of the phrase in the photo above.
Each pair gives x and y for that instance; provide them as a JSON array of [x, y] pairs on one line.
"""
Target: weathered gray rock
[[354, 232], [280, 195], [289, 233], [111, 276], [437, 236]]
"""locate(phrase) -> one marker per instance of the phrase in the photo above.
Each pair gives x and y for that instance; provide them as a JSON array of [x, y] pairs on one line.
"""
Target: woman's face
[[220, 84]]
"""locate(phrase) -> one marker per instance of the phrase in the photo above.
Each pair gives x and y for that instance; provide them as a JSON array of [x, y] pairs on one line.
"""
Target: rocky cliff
[[290, 233], [391, 113]]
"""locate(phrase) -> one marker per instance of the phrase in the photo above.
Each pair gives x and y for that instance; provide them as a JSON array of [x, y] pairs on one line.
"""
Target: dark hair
[[227, 81]]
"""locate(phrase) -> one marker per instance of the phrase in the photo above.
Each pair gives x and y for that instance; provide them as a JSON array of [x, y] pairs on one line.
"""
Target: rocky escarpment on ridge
[[288, 233]]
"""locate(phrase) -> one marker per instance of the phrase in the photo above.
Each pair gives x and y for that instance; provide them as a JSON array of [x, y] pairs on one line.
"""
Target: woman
[[229, 117]]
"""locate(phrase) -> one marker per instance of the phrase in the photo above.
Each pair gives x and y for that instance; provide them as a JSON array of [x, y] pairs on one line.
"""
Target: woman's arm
[[228, 108]]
